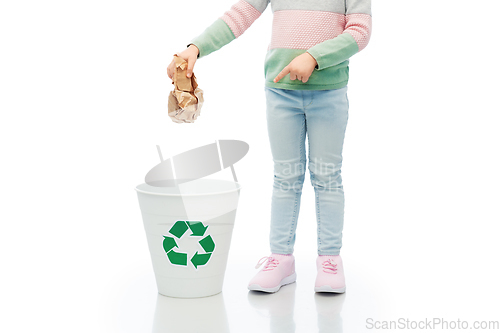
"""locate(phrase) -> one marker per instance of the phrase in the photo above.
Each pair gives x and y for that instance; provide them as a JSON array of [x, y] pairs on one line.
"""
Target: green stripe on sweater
[[334, 51], [332, 77], [213, 38]]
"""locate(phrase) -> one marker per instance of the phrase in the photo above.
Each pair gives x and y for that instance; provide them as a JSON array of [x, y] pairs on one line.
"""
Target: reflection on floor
[[280, 308], [208, 314]]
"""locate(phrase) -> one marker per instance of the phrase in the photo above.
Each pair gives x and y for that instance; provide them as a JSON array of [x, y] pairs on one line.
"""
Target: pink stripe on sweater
[[302, 29], [240, 17], [360, 27]]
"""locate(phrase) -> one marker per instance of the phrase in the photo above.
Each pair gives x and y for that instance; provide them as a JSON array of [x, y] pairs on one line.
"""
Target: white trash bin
[[188, 229]]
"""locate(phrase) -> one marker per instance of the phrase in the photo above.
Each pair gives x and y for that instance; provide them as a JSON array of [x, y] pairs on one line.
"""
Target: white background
[[83, 103]]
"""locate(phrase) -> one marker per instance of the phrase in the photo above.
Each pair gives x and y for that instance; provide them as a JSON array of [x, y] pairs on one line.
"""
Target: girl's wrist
[[195, 48]]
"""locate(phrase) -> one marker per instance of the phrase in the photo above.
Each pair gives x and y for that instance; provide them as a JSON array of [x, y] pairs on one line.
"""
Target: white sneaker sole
[[289, 279], [328, 289]]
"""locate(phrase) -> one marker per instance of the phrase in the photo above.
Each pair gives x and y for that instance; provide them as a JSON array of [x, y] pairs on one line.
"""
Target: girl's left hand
[[299, 68]]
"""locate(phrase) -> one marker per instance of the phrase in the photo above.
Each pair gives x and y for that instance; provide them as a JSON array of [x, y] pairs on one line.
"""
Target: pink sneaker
[[330, 276], [278, 271]]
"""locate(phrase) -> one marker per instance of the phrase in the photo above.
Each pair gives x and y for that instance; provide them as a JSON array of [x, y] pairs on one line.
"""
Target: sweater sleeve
[[229, 26], [354, 38]]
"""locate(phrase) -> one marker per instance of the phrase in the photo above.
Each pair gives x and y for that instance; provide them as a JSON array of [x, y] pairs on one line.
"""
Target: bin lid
[[197, 163]]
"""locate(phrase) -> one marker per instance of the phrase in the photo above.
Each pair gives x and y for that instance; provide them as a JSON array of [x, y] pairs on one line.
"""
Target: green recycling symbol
[[178, 230]]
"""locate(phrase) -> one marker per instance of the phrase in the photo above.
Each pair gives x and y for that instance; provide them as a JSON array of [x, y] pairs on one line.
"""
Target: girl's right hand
[[190, 55]]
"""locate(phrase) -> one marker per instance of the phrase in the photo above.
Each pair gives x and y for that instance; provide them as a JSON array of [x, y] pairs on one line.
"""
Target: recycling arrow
[[200, 259], [208, 244], [177, 258], [197, 228], [169, 243], [178, 230]]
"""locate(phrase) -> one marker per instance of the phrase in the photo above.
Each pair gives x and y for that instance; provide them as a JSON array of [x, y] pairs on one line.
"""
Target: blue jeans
[[322, 115]]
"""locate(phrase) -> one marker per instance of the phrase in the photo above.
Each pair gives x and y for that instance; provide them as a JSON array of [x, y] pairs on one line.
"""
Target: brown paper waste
[[185, 101]]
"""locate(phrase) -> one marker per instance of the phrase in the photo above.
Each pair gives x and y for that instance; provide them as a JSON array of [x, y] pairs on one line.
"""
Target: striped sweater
[[330, 30]]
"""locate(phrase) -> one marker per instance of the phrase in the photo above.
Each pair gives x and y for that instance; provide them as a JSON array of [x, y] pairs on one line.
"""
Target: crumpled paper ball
[[186, 100]]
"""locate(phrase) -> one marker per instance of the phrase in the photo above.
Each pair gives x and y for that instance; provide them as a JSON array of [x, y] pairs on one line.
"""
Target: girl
[[306, 71]]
